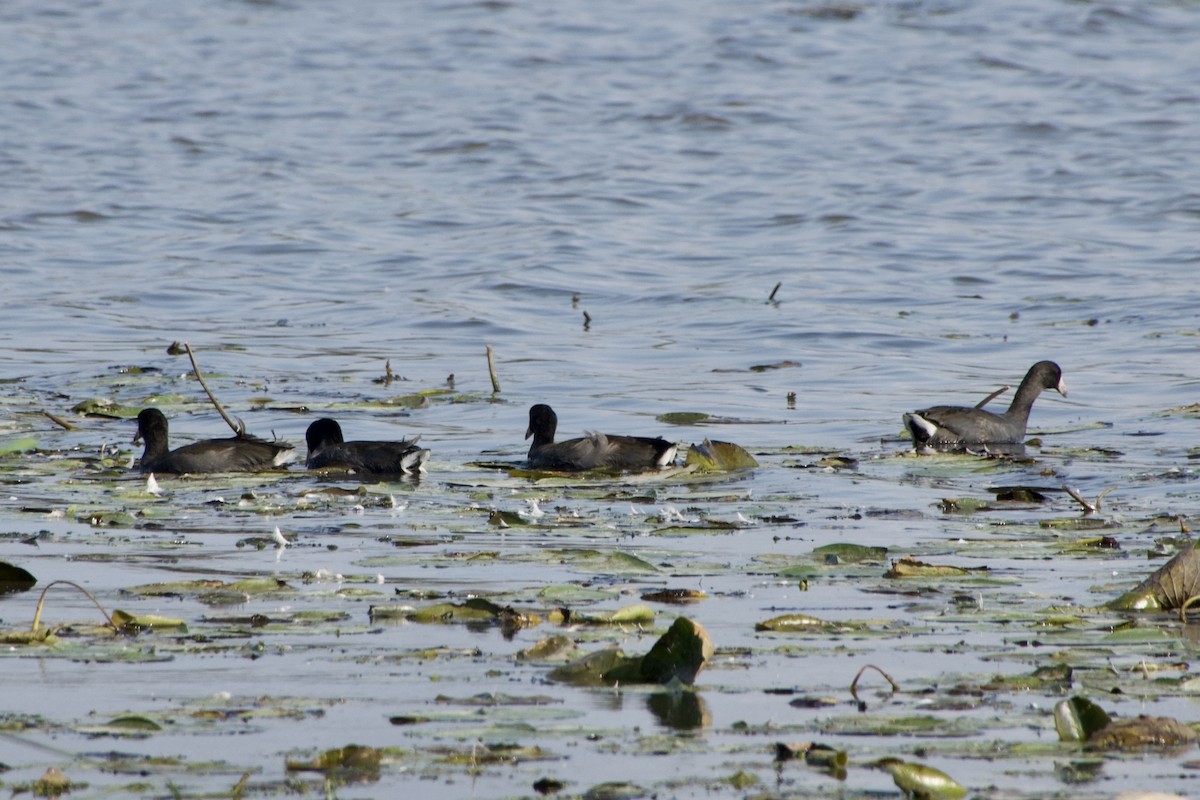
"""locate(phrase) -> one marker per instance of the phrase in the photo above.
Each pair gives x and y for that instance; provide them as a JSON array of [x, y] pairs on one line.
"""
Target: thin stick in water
[[854, 683], [57, 420], [239, 427], [771, 299], [492, 370]]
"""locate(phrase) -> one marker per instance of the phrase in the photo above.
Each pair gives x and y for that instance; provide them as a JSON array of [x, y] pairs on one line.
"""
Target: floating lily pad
[[922, 782], [715, 456], [1077, 719], [683, 417], [912, 568], [791, 622], [845, 552]]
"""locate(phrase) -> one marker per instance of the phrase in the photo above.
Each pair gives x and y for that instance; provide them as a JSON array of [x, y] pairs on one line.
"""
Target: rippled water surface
[[939, 194]]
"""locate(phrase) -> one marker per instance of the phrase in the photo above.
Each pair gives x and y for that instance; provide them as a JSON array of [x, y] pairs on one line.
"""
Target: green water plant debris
[[677, 657], [53, 783], [133, 623], [848, 553], [1174, 585], [913, 568], [920, 781], [637, 614], [1078, 719], [717, 456], [475, 610], [788, 623], [684, 417], [674, 596], [352, 762], [815, 755]]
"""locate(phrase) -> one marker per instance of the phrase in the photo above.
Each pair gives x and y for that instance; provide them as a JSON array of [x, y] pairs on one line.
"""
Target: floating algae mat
[[482, 630]]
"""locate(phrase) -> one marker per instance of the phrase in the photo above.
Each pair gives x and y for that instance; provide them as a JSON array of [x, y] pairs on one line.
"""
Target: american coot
[[596, 450], [327, 450], [949, 426], [237, 454]]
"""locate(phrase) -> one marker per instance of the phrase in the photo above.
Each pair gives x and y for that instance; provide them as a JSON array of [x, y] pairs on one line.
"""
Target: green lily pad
[[715, 456]]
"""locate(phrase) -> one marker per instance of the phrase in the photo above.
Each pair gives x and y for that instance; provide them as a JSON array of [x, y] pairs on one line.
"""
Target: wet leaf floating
[[677, 657], [1169, 587], [553, 648], [352, 762], [591, 669], [22, 444], [1077, 718], [683, 417], [912, 568], [922, 782], [786, 364], [629, 615], [14, 579], [714, 456], [476, 610], [53, 783], [1019, 494], [847, 553], [101, 407], [964, 505], [138, 622], [674, 596], [616, 790], [1143, 733], [788, 623]]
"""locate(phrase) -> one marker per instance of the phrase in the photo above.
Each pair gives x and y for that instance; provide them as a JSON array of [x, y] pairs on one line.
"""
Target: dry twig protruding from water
[[854, 683], [771, 297], [239, 427], [37, 614], [492, 370], [57, 420], [587, 321], [1088, 508]]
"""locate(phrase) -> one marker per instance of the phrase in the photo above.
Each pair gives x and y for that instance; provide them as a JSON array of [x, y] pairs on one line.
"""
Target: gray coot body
[[951, 426], [236, 454], [328, 450], [594, 451]]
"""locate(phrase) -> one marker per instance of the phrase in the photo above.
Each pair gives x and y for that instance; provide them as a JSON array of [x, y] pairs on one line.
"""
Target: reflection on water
[[679, 710]]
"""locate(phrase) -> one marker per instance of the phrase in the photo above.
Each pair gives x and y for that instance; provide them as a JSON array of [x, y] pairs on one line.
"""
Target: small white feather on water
[[152, 486], [279, 538]]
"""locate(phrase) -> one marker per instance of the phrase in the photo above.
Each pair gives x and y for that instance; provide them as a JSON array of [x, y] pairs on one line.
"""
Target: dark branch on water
[[239, 427]]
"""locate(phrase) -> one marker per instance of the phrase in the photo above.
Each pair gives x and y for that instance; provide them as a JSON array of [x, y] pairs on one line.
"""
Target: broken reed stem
[[991, 397], [854, 683], [771, 298], [492, 370], [57, 420], [239, 427], [1183, 609], [1088, 508], [37, 614]]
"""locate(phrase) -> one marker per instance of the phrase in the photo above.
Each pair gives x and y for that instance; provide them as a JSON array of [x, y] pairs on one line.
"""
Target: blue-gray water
[[947, 192]]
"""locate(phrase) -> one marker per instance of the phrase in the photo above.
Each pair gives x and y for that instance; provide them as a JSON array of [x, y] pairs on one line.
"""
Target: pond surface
[[647, 208]]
